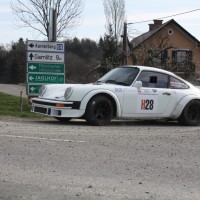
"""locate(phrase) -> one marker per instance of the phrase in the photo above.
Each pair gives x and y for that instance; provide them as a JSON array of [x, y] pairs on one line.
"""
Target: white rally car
[[126, 92]]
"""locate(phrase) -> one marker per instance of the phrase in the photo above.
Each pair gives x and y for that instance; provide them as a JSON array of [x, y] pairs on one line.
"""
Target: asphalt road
[[49, 160], [13, 89]]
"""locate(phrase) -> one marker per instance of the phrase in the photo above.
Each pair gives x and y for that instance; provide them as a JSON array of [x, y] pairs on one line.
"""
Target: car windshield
[[120, 76]]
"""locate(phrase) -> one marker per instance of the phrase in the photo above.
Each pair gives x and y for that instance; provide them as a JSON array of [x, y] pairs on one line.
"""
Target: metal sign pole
[[52, 25]]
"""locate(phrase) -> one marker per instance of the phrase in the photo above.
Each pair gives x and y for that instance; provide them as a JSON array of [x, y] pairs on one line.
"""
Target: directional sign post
[[34, 89], [46, 67], [45, 64], [45, 57], [43, 46], [46, 78]]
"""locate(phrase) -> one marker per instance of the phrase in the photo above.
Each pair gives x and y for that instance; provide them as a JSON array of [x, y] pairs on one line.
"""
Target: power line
[[166, 16]]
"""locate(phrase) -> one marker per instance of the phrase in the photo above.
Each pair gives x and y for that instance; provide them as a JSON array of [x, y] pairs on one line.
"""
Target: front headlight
[[68, 92], [42, 90]]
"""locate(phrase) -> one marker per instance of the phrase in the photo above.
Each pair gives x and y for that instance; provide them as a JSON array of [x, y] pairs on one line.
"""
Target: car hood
[[57, 91]]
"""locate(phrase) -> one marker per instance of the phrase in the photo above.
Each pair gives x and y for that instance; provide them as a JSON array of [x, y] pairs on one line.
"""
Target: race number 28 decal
[[147, 104]]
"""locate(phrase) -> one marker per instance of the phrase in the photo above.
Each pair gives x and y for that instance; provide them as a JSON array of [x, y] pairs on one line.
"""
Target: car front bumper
[[57, 108]]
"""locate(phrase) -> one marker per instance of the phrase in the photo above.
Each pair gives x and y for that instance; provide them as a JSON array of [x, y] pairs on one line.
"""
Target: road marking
[[41, 138]]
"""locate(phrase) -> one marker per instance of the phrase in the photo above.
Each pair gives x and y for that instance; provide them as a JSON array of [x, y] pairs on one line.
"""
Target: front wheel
[[191, 114], [99, 111]]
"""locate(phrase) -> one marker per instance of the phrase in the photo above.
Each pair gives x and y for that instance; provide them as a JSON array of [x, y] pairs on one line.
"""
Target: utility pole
[[52, 25], [125, 45]]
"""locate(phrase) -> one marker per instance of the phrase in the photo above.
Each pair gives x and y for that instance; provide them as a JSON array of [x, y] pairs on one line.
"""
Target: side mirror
[[138, 84]]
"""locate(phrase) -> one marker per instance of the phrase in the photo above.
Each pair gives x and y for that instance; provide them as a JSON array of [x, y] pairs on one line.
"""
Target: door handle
[[167, 93]]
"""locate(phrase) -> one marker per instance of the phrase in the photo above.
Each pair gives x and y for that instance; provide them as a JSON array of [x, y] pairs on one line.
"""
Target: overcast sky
[[93, 23]]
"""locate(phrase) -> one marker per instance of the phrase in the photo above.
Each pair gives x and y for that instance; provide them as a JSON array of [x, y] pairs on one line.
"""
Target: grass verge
[[10, 106]]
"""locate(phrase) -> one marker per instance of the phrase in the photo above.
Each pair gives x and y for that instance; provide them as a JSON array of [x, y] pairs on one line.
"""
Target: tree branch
[[35, 14]]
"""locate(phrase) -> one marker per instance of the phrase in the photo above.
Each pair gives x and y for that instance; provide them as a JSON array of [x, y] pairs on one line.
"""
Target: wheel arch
[[111, 96], [181, 105], [191, 113]]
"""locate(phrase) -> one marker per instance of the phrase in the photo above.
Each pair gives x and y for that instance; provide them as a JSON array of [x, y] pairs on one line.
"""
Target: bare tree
[[35, 14], [114, 11]]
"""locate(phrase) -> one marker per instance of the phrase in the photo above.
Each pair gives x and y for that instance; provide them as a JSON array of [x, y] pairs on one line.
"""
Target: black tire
[[191, 114], [63, 119], [99, 111]]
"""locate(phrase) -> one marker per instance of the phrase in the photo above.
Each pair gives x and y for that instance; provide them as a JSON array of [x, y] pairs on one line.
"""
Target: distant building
[[167, 45]]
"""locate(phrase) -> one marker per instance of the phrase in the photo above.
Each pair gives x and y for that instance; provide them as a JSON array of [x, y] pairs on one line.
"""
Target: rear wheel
[[191, 114], [99, 111]]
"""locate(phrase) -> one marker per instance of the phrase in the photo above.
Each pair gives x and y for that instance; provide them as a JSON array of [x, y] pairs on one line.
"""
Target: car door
[[153, 99]]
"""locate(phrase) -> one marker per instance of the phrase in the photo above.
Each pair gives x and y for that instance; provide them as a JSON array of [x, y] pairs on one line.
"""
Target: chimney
[[157, 23]]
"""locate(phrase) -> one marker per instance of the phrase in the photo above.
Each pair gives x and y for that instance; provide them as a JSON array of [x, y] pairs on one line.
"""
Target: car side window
[[177, 84], [153, 79]]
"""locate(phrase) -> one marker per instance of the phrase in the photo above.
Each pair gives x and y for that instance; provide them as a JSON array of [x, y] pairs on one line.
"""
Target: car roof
[[150, 69]]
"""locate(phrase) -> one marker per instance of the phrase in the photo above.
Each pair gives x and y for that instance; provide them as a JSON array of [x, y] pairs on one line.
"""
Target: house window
[[157, 56], [182, 61], [182, 56]]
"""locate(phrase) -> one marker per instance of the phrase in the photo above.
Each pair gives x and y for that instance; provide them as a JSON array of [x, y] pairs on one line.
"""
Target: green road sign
[[33, 89], [46, 67], [46, 78]]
